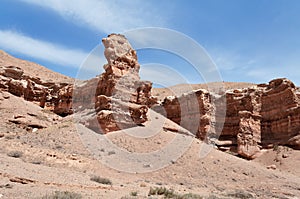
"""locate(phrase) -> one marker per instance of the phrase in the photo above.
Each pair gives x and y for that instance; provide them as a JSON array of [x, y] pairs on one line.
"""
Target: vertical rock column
[[122, 99]]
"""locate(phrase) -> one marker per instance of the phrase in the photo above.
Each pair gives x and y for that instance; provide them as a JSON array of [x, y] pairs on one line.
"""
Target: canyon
[[241, 141], [242, 120]]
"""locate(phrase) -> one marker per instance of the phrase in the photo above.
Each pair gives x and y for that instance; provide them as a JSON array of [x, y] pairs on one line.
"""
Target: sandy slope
[[33, 69]]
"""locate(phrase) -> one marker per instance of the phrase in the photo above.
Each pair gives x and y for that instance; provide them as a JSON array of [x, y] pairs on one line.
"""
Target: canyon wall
[[246, 119]]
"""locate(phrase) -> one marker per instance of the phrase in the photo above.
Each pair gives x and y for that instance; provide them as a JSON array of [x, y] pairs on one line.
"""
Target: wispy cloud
[[179, 44], [106, 16], [53, 53]]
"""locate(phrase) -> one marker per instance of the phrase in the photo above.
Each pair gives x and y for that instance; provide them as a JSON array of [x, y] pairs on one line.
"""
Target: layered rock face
[[280, 113], [121, 98], [192, 111], [254, 117], [48, 95]]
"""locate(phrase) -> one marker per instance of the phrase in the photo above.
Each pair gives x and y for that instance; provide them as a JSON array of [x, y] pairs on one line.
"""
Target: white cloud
[[105, 15], [54, 53]]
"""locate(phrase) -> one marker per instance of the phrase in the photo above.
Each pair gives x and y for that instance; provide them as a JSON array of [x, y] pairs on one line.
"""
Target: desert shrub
[[275, 147], [240, 194], [169, 193], [111, 153], [63, 195], [15, 154], [160, 191], [189, 196], [213, 197], [134, 193], [101, 180]]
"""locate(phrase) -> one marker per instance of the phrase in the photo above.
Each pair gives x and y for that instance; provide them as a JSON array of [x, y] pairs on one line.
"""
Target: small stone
[[34, 130], [285, 155], [147, 165], [246, 173], [273, 166], [6, 96]]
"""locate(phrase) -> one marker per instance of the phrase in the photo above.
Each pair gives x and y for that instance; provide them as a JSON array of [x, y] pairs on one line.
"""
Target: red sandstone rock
[[255, 117], [53, 96], [63, 105], [249, 136], [121, 99]]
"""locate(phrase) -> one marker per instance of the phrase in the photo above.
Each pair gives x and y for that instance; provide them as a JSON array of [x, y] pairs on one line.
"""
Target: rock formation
[[256, 117], [121, 100], [49, 95], [192, 111], [244, 120]]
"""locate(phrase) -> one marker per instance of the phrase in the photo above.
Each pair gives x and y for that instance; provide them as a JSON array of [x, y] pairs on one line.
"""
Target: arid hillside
[[33, 69]]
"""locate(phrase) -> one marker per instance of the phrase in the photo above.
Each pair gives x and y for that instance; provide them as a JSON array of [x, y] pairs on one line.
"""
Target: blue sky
[[249, 41]]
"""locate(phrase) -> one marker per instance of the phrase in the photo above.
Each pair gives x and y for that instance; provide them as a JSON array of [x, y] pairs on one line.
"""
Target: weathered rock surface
[[121, 99], [63, 103], [49, 95], [256, 117], [192, 111]]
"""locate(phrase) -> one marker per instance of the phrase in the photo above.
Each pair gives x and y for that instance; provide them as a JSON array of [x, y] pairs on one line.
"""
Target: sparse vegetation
[[169, 193], [101, 180], [36, 162], [9, 137], [111, 153], [240, 194], [63, 195], [15, 154], [134, 193], [276, 147]]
